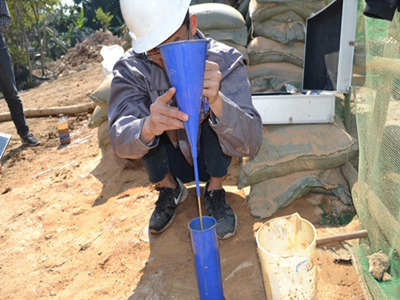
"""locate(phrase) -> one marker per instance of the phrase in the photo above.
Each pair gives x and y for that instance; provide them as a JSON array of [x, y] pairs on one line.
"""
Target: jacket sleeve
[[128, 105], [239, 128]]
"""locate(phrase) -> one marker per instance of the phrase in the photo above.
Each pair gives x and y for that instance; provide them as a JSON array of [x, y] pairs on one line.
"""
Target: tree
[[40, 9], [110, 7], [44, 29], [103, 18], [25, 34]]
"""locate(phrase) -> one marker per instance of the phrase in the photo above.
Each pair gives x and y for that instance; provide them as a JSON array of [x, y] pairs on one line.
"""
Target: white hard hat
[[151, 22]]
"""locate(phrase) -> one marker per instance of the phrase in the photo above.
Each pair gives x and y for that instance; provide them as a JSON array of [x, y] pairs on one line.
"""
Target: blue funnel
[[185, 63]]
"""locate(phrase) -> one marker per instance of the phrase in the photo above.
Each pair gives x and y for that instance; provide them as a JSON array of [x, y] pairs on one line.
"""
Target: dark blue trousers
[[9, 90], [165, 158]]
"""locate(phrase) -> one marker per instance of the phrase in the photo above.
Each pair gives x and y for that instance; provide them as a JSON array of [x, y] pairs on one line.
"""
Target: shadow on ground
[[117, 175], [170, 272]]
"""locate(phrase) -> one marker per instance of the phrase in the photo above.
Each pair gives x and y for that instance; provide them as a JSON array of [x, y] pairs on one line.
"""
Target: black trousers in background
[[9, 90]]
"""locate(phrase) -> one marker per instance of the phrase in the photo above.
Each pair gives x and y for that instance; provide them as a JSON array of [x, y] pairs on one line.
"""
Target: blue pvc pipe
[[206, 258]]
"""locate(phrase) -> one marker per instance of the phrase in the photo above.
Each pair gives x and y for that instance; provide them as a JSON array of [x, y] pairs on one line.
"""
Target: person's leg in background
[[10, 93]]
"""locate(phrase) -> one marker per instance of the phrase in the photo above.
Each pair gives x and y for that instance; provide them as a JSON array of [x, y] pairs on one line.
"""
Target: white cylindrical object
[[287, 251]]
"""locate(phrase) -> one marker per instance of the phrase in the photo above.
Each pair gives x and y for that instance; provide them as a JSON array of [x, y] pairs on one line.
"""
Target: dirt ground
[[73, 224]]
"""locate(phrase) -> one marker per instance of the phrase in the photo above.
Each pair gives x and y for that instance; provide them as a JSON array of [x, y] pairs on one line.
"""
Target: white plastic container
[[287, 251]]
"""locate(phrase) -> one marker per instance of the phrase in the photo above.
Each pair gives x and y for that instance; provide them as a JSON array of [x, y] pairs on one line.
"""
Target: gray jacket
[[138, 82]]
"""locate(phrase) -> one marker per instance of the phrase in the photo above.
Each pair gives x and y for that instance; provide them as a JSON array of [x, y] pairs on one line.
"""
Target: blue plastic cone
[[206, 258], [185, 63]]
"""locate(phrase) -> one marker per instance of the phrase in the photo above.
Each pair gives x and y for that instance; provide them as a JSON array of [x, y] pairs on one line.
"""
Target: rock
[[379, 264]]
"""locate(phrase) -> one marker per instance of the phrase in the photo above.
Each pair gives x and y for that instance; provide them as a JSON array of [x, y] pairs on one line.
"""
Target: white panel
[[295, 109], [347, 43]]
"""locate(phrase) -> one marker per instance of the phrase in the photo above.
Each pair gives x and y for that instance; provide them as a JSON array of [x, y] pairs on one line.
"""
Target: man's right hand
[[162, 117]]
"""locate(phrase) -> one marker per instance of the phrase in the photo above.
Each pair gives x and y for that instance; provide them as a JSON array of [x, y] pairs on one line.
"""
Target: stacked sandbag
[[223, 23], [241, 5], [228, 2], [99, 117], [294, 160], [276, 47]]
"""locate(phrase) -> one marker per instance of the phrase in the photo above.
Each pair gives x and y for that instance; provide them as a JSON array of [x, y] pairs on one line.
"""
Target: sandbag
[[286, 149], [213, 16], [273, 84], [103, 137], [288, 17], [269, 196], [220, 22], [261, 50], [98, 116], [243, 7], [259, 11], [284, 1], [284, 28], [274, 69], [282, 32], [102, 93], [238, 36], [273, 76], [229, 2]]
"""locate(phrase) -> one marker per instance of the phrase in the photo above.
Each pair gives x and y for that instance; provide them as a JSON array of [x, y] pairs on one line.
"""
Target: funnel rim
[[183, 42], [311, 244]]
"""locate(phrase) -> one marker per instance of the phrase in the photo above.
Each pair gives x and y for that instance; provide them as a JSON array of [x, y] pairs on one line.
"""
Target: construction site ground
[[73, 223]]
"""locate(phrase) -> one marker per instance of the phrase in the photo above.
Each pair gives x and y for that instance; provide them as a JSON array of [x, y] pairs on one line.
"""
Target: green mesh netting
[[377, 108]]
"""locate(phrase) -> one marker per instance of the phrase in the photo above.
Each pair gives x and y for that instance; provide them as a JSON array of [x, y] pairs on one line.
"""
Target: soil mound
[[87, 52]]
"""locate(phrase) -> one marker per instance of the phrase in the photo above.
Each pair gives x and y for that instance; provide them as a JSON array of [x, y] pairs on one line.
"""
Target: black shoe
[[166, 204], [30, 140], [219, 209]]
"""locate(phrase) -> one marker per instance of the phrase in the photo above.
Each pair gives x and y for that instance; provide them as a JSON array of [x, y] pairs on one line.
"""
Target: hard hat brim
[[170, 25]]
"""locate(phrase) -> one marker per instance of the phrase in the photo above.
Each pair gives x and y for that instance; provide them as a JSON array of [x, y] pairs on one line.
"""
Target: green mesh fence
[[376, 196]]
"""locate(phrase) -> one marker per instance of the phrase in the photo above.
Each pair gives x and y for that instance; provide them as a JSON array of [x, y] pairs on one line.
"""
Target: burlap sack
[[261, 11], [213, 16], [237, 36], [98, 116], [271, 195], [102, 93], [262, 50], [273, 84], [220, 22], [103, 137], [286, 149], [228, 2], [273, 76], [282, 32]]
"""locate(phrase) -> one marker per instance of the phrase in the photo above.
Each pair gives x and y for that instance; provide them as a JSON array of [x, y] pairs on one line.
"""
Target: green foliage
[[80, 20], [108, 6], [103, 18], [43, 30]]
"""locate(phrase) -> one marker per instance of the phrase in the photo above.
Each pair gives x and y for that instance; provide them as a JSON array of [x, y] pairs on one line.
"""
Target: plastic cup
[[206, 258]]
